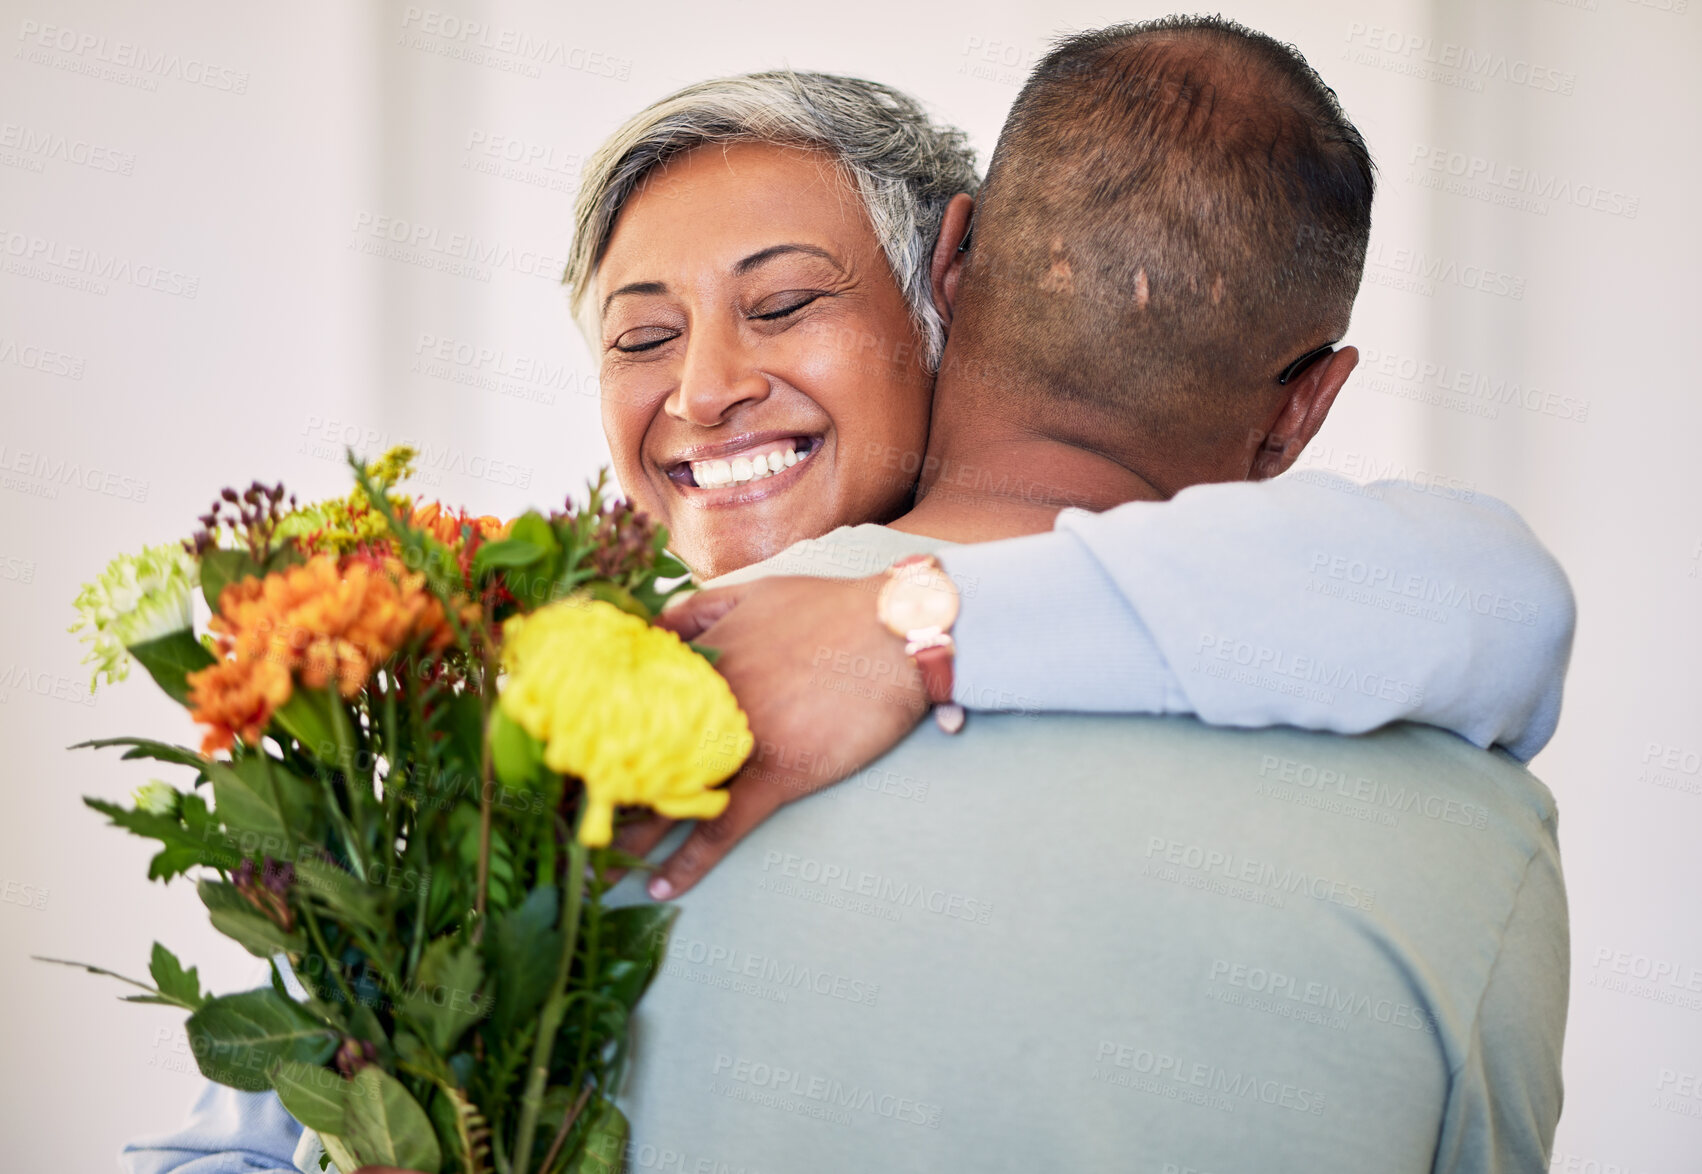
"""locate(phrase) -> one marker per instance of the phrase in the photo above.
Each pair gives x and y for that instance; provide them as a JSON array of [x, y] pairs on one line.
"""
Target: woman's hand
[[827, 690]]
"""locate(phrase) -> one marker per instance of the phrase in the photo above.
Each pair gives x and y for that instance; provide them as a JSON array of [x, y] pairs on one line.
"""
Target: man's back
[[1099, 943]]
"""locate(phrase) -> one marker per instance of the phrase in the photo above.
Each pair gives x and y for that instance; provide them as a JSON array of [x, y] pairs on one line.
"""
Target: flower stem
[[335, 964], [549, 1019], [346, 763], [487, 688]]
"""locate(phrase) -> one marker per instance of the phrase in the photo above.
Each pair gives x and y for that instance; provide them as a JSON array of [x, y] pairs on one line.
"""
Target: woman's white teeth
[[738, 470]]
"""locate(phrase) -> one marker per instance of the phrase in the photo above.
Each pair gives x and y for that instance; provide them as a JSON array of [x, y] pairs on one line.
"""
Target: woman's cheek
[[624, 424]]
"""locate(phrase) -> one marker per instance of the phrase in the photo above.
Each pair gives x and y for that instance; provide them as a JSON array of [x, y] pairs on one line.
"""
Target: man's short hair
[[1175, 210]]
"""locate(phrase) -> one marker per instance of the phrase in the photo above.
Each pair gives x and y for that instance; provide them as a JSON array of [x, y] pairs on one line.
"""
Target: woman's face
[[761, 379]]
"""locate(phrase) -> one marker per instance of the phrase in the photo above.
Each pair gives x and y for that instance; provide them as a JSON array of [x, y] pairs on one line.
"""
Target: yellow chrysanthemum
[[627, 708]]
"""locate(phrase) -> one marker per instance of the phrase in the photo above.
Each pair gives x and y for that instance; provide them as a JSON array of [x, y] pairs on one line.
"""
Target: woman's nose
[[717, 375]]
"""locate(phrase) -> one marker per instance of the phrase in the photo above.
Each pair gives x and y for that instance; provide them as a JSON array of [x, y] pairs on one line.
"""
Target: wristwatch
[[919, 603]]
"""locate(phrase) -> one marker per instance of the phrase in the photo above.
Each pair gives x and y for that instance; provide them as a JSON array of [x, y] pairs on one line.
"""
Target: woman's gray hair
[[906, 168]]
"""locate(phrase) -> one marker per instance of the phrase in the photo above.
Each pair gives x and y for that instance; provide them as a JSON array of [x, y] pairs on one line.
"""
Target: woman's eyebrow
[[766, 255], [635, 287], [754, 261]]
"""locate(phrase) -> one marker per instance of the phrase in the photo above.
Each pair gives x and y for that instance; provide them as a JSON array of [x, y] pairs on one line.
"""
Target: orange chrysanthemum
[[328, 619]]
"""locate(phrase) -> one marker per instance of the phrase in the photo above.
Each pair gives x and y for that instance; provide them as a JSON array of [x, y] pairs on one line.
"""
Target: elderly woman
[[751, 265], [754, 264]]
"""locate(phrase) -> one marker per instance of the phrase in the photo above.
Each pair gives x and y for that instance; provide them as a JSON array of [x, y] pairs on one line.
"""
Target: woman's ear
[[950, 254]]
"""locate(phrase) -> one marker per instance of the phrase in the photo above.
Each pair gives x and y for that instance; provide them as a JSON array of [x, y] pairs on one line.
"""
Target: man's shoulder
[[850, 552]]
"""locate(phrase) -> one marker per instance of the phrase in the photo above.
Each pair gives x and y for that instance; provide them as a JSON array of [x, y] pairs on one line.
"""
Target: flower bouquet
[[419, 728]]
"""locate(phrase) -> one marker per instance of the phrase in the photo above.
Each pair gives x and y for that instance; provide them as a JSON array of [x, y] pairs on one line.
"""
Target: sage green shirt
[[1099, 943]]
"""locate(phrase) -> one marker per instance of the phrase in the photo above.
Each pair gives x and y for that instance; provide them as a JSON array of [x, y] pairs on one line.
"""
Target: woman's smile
[[742, 469]]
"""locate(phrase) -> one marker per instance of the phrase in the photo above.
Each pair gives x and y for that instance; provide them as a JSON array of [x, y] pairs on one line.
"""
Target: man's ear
[[1302, 413], [949, 254]]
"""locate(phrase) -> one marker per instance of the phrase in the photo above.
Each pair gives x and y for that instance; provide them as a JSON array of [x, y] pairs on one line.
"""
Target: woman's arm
[[1309, 601], [227, 1132]]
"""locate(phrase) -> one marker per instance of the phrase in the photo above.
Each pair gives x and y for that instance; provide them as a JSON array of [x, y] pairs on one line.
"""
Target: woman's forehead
[[719, 204]]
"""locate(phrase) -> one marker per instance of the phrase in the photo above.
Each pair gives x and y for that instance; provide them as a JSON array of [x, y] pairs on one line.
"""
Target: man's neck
[[987, 476]]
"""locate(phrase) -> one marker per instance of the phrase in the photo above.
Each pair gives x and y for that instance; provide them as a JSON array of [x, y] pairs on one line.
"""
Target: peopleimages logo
[[1409, 584], [88, 269], [826, 1090], [42, 359], [44, 40], [459, 253], [512, 50], [1236, 1087], [1420, 271], [1498, 180], [1449, 385], [1425, 56], [27, 147], [42, 476]]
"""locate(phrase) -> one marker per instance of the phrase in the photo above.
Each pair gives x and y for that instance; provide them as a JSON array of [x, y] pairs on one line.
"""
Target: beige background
[[265, 158]]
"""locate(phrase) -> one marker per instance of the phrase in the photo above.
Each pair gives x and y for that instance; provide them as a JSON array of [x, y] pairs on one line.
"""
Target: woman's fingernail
[[660, 889]]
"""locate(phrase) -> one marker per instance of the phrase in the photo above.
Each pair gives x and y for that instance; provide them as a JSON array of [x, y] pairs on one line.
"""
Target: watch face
[[918, 597]]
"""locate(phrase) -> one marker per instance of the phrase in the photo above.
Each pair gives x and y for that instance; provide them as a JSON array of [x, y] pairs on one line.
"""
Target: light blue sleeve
[[1309, 601], [227, 1132]]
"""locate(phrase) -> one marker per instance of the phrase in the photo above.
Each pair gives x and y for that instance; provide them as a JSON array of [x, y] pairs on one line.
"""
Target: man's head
[[1175, 212]]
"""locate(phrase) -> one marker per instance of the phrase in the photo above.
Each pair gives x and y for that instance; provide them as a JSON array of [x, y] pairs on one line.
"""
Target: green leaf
[[220, 568], [384, 1126], [314, 1095], [638, 935], [348, 899], [507, 552], [707, 653], [604, 1146], [306, 718], [233, 915], [247, 794], [444, 999], [190, 838], [338, 1151], [524, 951], [669, 567], [619, 596], [238, 1039], [461, 1129], [283, 556], [516, 754], [170, 660], [153, 996], [531, 527], [146, 748], [176, 984], [466, 729], [531, 581]]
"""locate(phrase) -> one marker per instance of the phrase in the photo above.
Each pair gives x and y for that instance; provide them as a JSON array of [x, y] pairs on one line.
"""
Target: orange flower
[[327, 619], [445, 525]]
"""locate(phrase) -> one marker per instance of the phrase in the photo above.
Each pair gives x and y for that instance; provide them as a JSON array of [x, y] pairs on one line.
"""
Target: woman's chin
[[735, 543]]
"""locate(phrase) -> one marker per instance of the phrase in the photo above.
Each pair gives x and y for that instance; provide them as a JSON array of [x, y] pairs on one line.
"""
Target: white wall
[[254, 163]]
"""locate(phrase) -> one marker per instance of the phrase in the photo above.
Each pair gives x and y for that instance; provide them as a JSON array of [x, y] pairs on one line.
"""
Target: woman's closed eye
[[644, 338], [777, 306]]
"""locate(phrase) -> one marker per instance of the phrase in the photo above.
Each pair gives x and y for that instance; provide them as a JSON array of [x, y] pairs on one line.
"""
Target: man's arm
[[1504, 1096], [1308, 601]]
